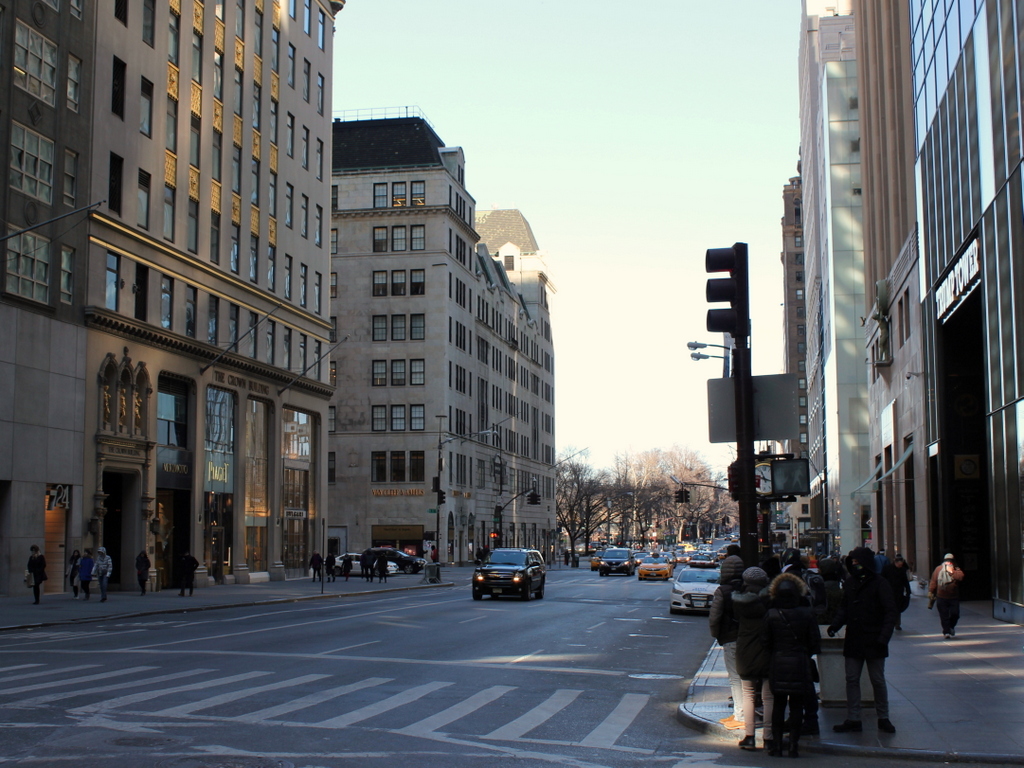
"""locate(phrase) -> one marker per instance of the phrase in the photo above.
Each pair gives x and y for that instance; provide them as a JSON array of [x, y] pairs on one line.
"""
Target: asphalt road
[[589, 676]]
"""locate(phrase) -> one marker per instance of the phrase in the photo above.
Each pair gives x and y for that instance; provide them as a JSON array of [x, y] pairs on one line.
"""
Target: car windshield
[[508, 558], [622, 553], [710, 577], [654, 560]]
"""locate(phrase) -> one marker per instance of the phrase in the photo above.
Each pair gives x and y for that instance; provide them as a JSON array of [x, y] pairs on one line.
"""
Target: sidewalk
[[958, 700], [18, 612]]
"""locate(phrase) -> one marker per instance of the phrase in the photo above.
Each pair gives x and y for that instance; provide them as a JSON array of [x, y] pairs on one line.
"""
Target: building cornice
[[133, 330]]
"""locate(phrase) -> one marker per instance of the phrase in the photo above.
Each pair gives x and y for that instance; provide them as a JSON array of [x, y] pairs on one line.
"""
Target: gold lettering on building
[[218, 473], [396, 491]]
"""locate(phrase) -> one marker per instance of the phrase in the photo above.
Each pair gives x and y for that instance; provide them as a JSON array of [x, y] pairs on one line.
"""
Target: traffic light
[[680, 496], [533, 498], [734, 479], [440, 497], [497, 515], [733, 289], [686, 495]]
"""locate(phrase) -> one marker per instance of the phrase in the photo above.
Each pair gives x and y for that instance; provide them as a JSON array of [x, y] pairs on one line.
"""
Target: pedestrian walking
[[316, 562], [434, 554], [791, 637], [72, 573], [898, 576], [565, 556], [382, 568], [142, 570], [103, 569], [881, 561], [366, 565], [752, 658], [346, 565], [944, 589], [725, 629], [868, 612], [188, 566], [329, 563], [85, 568], [35, 571]]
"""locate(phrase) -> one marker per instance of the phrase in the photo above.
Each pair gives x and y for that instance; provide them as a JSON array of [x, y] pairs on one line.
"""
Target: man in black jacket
[[869, 612]]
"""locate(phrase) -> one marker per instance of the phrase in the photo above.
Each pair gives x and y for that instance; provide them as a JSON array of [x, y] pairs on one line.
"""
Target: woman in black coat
[[37, 570], [749, 606], [791, 636]]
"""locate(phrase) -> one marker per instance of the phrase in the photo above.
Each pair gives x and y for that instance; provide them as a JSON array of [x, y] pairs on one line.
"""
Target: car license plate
[[496, 590], [700, 602]]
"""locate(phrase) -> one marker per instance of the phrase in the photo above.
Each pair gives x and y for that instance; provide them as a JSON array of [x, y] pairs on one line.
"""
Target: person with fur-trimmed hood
[[869, 613], [725, 629], [790, 635]]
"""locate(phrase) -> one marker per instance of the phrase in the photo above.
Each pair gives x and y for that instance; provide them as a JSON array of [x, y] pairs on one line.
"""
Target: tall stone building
[[164, 374], [445, 363]]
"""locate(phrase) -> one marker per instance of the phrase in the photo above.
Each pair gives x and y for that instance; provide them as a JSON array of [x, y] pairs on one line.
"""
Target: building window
[[319, 159], [378, 466], [32, 163], [121, 11], [142, 207], [334, 285], [215, 237], [305, 148], [378, 373], [118, 87], [398, 327], [70, 178], [257, 100], [417, 284], [272, 194], [419, 193], [417, 418], [289, 135], [318, 227], [233, 324], [307, 17], [379, 418], [275, 49], [417, 473], [169, 213], [240, 19], [398, 199], [380, 283], [287, 277], [166, 301], [35, 63], [146, 108], [173, 38], [28, 266], [320, 94], [333, 373], [191, 297], [236, 235], [398, 373], [321, 26], [417, 327], [193, 226], [254, 259], [74, 82], [236, 91], [318, 283], [802, 384], [332, 465], [306, 73], [799, 294], [380, 327], [236, 169], [380, 239], [303, 284], [67, 260], [213, 308], [398, 466], [257, 40], [417, 372], [332, 418], [286, 348], [113, 182], [171, 125], [271, 268], [380, 195], [798, 276], [289, 202], [334, 242], [254, 320], [398, 418], [398, 282], [419, 237], [271, 333], [113, 281], [398, 238], [291, 65]]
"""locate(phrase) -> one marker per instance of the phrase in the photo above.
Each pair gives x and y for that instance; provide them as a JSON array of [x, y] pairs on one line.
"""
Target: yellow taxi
[[595, 560], [654, 568]]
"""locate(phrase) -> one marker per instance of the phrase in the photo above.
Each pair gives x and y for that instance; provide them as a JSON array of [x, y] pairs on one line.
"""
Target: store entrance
[[963, 524], [220, 529], [171, 533], [115, 486]]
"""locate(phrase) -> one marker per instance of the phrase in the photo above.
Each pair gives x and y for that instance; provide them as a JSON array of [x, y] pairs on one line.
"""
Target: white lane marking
[[364, 713], [16, 666], [44, 672], [76, 680], [244, 693], [135, 698], [456, 711], [347, 648], [625, 712], [537, 716], [524, 658], [599, 624], [320, 697], [51, 697]]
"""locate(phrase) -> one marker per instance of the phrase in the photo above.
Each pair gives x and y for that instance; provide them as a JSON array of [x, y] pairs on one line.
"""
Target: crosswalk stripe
[[44, 672], [17, 666], [608, 732], [146, 681], [135, 698], [224, 698], [76, 680], [455, 712], [320, 697], [380, 707], [537, 716]]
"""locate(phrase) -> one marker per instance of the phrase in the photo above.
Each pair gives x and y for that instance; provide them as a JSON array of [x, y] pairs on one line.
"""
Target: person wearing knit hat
[[944, 589], [752, 660], [869, 613]]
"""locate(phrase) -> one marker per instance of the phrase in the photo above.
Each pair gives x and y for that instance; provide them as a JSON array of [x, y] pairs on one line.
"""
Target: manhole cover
[[231, 761], [653, 676], [140, 741]]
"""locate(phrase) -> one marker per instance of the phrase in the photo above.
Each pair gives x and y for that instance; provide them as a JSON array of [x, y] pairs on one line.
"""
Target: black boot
[[774, 747]]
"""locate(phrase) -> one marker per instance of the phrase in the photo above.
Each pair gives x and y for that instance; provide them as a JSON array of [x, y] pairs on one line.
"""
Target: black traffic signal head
[[686, 495], [533, 497], [680, 496], [440, 497], [733, 289]]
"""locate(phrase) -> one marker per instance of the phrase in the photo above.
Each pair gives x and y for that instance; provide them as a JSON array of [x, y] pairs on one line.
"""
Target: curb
[[819, 746], [218, 607]]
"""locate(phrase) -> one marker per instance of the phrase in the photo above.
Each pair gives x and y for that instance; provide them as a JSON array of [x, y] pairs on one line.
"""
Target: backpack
[[816, 591]]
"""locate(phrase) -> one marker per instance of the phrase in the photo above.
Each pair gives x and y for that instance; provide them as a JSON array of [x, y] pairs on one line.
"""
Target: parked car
[[403, 562], [617, 560], [693, 590], [654, 568], [508, 571], [393, 566]]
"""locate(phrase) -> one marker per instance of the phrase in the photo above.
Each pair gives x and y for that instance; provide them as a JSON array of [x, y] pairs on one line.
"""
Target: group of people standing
[[768, 621]]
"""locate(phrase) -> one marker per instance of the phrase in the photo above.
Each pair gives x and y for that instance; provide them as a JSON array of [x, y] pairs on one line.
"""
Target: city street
[[589, 676]]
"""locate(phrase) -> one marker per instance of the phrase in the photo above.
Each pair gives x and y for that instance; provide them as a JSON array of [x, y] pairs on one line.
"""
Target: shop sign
[[173, 468], [396, 491], [256, 387], [959, 282], [295, 514], [219, 473]]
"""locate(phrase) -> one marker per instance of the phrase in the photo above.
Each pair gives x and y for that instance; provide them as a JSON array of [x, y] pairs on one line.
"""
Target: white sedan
[[693, 589]]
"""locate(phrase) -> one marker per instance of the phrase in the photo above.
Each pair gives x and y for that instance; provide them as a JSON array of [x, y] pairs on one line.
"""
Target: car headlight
[[478, 576], [518, 576]]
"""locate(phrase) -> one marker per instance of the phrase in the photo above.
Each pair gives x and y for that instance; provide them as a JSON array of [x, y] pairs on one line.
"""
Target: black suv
[[510, 572], [619, 560]]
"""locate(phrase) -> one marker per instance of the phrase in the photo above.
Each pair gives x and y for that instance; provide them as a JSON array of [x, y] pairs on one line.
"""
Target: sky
[[633, 136]]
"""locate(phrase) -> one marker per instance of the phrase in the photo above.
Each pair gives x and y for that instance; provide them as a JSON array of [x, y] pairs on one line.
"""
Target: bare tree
[[580, 498]]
